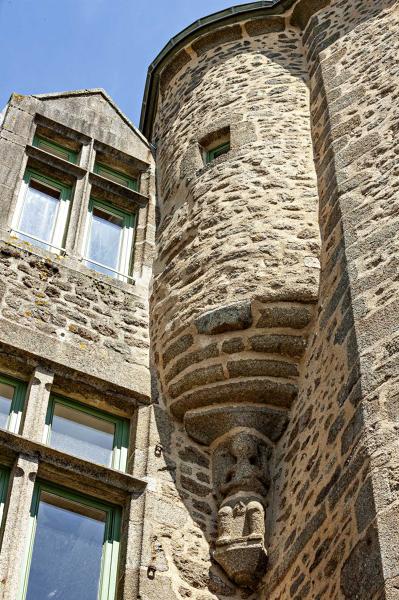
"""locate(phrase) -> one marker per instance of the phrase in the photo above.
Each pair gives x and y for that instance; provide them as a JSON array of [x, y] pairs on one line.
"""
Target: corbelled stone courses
[[260, 368], [337, 455], [236, 274]]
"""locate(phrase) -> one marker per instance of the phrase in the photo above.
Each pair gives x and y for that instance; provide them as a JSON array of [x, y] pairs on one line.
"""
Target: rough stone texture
[[99, 322], [341, 427], [53, 306], [237, 245], [211, 254], [254, 323], [67, 330]]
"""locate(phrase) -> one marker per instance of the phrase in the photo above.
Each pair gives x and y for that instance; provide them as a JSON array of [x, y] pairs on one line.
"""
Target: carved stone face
[[240, 464]]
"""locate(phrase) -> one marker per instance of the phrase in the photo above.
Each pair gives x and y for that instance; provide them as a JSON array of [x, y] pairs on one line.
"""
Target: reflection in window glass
[[6, 396], [82, 434], [39, 213], [105, 240], [67, 551]]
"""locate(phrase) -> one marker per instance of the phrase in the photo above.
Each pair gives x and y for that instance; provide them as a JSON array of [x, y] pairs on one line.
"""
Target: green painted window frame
[[55, 149], [4, 481], [217, 151], [65, 190], [112, 174], [129, 223], [122, 428], [62, 217], [110, 555], [17, 403]]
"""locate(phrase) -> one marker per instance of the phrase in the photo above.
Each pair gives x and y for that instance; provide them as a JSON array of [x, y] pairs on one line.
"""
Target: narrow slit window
[[42, 211], [12, 399], [109, 240], [55, 149], [87, 433], [74, 543], [116, 176], [217, 151]]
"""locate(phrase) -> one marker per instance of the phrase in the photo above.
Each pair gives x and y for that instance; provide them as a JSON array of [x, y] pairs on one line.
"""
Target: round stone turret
[[236, 273]]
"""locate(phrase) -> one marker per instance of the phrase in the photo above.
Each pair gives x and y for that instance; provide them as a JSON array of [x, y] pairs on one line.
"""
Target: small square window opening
[[217, 151]]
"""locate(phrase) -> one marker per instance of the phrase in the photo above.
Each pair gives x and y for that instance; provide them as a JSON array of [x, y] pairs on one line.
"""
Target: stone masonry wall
[[334, 529], [71, 316], [331, 527], [53, 306]]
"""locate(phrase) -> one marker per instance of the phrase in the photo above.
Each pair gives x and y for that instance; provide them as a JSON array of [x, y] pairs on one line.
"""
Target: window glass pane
[[39, 212], [105, 241], [6, 396], [82, 434], [66, 557]]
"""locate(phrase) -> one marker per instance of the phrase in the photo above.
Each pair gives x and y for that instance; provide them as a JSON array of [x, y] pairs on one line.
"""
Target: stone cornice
[[86, 472]]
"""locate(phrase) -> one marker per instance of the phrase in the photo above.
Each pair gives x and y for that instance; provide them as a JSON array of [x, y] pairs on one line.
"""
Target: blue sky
[[57, 45]]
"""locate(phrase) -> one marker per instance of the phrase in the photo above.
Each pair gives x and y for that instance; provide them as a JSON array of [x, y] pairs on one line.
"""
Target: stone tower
[[207, 391], [272, 311]]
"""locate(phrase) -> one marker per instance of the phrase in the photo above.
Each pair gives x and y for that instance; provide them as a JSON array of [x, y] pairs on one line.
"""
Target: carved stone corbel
[[241, 452], [241, 480]]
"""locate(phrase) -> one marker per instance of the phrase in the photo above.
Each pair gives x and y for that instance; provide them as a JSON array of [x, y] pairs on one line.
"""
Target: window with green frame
[[87, 432], [4, 479], [12, 400], [73, 546], [116, 176], [109, 240], [55, 149], [42, 211], [210, 155]]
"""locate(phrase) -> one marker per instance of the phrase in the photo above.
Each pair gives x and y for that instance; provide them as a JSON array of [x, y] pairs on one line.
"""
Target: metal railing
[[98, 264], [63, 251], [37, 239]]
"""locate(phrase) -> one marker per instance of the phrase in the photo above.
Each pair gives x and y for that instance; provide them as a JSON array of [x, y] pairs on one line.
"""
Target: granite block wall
[[242, 230]]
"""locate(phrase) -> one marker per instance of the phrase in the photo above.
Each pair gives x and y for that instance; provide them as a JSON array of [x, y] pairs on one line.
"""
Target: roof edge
[[199, 27], [92, 92]]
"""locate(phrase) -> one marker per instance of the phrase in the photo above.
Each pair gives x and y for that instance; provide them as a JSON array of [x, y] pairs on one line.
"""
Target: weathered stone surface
[[309, 104], [305, 9], [286, 345], [362, 574], [296, 317], [208, 424], [178, 347], [217, 38], [256, 390], [199, 377], [227, 318], [365, 506], [264, 26], [248, 368], [173, 67]]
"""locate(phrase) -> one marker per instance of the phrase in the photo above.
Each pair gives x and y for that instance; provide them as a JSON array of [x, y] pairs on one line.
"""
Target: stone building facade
[[245, 340]]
